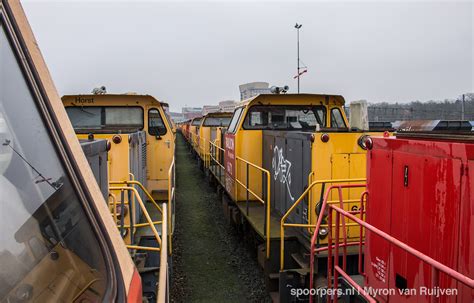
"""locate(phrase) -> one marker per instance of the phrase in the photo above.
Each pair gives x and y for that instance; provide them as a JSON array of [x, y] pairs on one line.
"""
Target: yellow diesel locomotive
[[280, 154], [210, 131], [140, 164]]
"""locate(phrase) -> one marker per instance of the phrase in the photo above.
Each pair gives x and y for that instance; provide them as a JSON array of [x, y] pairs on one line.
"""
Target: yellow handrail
[[217, 146], [310, 180], [214, 144], [133, 182], [142, 206], [171, 191], [163, 274], [204, 155], [114, 206], [127, 226], [267, 203], [213, 157], [195, 144], [309, 225]]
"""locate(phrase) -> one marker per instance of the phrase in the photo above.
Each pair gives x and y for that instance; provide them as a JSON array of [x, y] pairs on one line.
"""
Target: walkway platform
[[256, 218]]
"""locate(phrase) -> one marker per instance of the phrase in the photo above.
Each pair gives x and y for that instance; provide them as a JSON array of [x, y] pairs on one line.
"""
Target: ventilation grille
[[143, 155]]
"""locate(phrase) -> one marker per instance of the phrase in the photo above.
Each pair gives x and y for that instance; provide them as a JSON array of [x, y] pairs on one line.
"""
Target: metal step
[[274, 275], [301, 260]]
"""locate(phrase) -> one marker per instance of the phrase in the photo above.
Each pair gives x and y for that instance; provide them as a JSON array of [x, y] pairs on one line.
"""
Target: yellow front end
[[160, 137], [248, 143], [340, 158]]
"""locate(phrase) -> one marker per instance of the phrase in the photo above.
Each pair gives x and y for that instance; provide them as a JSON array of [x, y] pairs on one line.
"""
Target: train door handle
[[168, 143]]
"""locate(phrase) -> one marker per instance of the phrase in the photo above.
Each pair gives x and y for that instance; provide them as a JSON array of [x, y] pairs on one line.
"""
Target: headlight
[[365, 142]]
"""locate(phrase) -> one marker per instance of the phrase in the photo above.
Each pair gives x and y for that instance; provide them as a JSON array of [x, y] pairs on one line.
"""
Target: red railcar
[[421, 192], [419, 220]]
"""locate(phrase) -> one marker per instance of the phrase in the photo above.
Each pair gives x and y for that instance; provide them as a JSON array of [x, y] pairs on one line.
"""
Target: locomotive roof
[[313, 99], [121, 96], [219, 114]]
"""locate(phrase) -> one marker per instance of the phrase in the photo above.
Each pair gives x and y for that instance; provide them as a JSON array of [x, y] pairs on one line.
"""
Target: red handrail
[[318, 225], [436, 266]]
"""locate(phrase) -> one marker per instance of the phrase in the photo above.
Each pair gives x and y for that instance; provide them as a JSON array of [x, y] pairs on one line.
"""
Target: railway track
[[209, 263]]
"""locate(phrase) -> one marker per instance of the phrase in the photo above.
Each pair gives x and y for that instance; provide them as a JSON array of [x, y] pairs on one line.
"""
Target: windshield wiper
[[54, 185], [81, 108]]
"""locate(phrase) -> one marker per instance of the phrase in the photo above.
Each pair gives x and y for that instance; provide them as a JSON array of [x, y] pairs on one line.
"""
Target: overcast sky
[[196, 53]]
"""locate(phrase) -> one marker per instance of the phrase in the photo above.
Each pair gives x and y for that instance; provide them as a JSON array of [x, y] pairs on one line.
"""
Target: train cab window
[[285, 117], [105, 118], [123, 116], [196, 122], [216, 121], [49, 251], [156, 126], [235, 119], [337, 121]]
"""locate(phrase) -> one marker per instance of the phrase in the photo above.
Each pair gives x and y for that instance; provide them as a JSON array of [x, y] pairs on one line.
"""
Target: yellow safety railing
[[308, 225], [213, 149], [134, 182], [191, 138], [150, 223], [113, 210], [261, 199], [163, 282], [163, 278], [171, 201], [195, 141], [203, 154], [113, 206]]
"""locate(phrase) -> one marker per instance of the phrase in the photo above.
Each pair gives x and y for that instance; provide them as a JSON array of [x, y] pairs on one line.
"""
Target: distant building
[[206, 109], [249, 90], [177, 117], [227, 106], [191, 112]]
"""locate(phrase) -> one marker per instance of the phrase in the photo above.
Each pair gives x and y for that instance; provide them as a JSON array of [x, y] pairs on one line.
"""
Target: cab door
[[160, 150]]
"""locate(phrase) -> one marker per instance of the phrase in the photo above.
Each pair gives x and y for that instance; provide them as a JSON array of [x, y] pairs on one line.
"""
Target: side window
[[337, 121], [156, 126], [235, 119]]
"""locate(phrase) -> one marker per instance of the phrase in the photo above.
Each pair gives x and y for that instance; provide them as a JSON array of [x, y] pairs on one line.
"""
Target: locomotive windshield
[[217, 121], [48, 251], [196, 122], [105, 118], [285, 117]]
